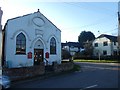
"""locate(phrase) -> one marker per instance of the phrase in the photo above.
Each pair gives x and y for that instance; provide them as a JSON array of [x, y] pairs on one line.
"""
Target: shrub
[[65, 54]]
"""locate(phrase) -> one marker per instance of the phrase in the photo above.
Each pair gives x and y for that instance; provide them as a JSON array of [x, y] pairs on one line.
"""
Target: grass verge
[[97, 61]]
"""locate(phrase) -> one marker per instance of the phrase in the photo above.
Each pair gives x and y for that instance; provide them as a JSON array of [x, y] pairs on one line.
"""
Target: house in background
[[105, 45], [30, 40], [1, 12], [72, 47]]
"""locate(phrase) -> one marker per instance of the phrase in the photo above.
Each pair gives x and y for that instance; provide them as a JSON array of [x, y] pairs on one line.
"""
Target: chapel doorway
[[38, 52], [38, 56]]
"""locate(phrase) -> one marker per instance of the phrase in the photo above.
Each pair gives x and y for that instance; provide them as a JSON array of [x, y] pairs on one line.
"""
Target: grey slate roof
[[110, 37]]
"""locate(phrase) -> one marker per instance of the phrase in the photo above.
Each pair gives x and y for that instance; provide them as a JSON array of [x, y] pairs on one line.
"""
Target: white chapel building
[[30, 40]]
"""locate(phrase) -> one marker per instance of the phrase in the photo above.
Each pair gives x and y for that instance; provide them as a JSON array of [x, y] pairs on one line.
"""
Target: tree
[[85, 36], [88, 48]]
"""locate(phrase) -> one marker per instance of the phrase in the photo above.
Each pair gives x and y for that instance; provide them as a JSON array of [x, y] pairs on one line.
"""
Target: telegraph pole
[[119, 28], [1, 12], [99, 48]]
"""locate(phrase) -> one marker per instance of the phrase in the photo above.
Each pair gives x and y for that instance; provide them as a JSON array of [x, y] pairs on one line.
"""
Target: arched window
[[21, 44], [52, 46]]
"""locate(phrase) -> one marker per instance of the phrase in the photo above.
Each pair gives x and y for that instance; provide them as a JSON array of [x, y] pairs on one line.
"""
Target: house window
[[115, 43], [104, 52], [105, 43], [52, 46], [114, 53], [21, 44], [96, 44], [72, 47], [97, 54]]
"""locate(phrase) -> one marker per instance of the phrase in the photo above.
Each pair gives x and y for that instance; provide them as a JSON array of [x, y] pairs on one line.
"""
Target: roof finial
[[38, 10]]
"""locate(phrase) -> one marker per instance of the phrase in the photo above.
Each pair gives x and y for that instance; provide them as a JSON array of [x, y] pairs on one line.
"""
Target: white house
[[72, 47], [1, 12], [30, 40], [105, 45]]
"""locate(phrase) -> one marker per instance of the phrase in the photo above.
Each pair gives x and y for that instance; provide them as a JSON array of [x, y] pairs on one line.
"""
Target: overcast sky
[[70, 17]]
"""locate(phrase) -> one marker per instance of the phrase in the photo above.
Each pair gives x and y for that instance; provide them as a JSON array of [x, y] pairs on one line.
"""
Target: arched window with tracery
[[21, 44], [52, 46]]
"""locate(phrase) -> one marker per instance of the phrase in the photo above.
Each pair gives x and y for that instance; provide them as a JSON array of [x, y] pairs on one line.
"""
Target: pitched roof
[[110, 37], [31, 14], [75, 44]]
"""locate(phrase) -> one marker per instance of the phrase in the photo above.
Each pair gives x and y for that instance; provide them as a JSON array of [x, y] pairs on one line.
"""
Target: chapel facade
[[30, 40]]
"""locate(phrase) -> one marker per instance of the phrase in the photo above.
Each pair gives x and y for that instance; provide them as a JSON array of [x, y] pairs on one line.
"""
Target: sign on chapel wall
[[29, 55]]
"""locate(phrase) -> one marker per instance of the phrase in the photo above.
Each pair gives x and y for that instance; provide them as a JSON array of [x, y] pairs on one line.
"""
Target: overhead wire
[[86, 8], [95, 7], [96, 22]]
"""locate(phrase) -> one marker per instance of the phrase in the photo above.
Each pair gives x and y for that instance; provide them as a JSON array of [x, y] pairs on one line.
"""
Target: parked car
[[4, 82]]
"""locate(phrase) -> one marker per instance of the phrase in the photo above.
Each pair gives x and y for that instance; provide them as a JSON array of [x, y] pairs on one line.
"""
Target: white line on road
[[89, 87]]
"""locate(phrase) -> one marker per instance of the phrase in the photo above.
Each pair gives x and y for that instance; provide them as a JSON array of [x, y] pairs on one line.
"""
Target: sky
[[71, 17]]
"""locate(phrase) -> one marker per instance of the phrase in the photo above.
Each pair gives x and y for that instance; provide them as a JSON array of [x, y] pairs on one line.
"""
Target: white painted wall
[[110, 48], [28, 25], [72, 50]]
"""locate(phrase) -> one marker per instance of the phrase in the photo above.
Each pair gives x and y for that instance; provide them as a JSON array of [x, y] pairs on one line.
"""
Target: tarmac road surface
[[92, 75]]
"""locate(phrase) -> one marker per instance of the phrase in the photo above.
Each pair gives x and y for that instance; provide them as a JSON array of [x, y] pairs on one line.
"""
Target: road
[[92, 75]]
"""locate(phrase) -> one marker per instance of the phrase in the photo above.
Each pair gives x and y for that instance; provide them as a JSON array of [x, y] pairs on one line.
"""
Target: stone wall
[[28, 72], [24, 72], [63, 67]]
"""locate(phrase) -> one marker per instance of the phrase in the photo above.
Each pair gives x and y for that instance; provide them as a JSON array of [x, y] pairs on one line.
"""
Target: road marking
[[89, 87]]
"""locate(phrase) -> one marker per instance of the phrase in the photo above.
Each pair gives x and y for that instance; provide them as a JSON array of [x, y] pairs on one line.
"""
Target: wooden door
[[38, 56]]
